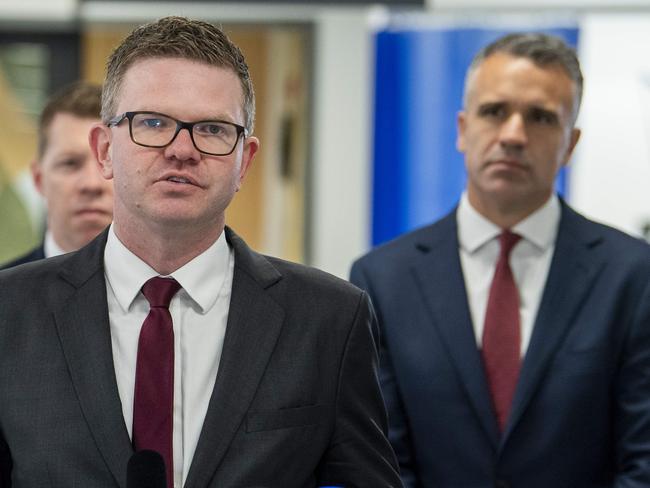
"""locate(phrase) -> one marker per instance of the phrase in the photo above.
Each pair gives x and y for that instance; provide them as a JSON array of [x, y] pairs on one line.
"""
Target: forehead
[[65, 127], [182, 88], [502, 77], [67, 132], [65, 118]]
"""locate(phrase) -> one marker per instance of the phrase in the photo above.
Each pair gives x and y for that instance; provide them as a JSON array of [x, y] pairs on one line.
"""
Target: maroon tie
[[501, 334], [154, 375]]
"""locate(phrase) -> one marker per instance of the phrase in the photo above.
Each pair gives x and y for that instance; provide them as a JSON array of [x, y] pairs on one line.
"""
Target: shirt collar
[[50, 247], [202, 278], [539, 228]]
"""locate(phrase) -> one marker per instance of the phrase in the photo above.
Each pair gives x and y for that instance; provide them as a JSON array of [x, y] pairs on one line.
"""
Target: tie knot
[[159, 291], [508, 240]]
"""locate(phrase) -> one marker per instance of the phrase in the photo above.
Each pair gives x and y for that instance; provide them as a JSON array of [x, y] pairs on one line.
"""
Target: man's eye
[[68, 164], [211, 129], [152, 123], [543, 117], [492, 111]]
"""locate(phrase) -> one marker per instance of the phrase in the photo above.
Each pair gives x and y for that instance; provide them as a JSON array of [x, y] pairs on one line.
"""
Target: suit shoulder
[[33, 273], [308, 276], [618, 244], [630, 243], [30, 290], [403, 246], [315, 300], [626, 249], [268, 270]]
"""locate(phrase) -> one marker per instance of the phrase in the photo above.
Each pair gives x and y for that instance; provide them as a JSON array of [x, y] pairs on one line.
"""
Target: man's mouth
[[92, 211], [178, 179], [508, 162]]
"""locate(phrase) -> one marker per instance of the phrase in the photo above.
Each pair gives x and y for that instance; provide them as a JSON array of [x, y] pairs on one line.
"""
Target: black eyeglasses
[[153, 129]]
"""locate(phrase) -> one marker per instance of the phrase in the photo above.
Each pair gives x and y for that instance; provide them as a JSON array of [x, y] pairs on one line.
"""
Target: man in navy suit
[[562, 398], [79, 200]]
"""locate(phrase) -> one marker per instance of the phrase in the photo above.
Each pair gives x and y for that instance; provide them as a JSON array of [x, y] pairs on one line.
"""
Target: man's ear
[[460, 128], [37, 175], [99, 139], [251, 145], [574, 137]]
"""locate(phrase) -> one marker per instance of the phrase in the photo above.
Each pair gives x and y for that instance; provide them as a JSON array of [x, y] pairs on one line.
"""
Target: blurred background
[[356, 108]]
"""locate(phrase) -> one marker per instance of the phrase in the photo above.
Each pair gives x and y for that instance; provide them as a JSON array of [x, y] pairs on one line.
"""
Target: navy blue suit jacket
[[581, 413]]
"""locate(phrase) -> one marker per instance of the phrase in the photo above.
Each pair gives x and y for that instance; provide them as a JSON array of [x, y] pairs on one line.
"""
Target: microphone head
[[146, 469]]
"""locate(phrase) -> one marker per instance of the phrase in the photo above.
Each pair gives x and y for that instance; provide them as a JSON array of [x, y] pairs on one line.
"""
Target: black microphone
[[146, 469]]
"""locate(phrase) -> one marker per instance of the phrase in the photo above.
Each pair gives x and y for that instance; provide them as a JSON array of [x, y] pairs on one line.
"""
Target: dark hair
[[177, 37], [81, 99], [542, 49]]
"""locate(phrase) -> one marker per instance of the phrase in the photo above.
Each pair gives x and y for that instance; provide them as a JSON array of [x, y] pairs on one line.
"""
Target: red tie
[[154, 375], [501, 334]]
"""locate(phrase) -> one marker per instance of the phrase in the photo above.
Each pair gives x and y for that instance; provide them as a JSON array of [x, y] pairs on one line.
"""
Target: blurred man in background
[[78, 200], [516, 332]]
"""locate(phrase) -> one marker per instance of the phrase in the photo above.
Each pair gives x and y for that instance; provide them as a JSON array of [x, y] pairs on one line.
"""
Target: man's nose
[[182, 148], [513, 131]]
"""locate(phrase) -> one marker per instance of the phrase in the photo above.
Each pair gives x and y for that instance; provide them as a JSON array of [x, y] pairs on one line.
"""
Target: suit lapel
[[439, 276], [572, 272], [254, 324], [83, 328]]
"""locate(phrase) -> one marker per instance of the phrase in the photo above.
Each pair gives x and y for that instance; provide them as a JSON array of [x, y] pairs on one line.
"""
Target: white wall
[[610, 179], [341, 175]]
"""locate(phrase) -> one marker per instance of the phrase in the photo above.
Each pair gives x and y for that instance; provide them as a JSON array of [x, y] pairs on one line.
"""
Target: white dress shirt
[[530, 261], [199, 313], [50, 247]]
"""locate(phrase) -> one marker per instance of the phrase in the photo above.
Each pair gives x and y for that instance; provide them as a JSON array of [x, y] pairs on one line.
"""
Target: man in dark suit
[[78, 199], [167, 332], [515, 332]]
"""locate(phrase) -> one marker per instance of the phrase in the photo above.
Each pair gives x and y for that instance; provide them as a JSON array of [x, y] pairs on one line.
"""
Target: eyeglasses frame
[[180, 124]]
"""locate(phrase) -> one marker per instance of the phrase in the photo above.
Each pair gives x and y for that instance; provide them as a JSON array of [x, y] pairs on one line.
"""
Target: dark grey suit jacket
[[296, 401]]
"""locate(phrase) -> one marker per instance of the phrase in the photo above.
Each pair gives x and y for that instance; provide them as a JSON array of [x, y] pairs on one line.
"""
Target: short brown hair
[[177, 37], [543, 50], [80, 99]]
